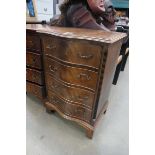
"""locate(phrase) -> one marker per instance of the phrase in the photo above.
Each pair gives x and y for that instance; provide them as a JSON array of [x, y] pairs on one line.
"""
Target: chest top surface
[[78, 33]]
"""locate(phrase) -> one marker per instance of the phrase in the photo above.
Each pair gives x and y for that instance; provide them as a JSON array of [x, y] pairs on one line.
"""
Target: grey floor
[[49, 134]]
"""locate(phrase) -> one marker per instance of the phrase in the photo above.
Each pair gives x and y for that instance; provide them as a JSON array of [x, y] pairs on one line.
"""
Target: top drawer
[[33, 42], [81, 52]]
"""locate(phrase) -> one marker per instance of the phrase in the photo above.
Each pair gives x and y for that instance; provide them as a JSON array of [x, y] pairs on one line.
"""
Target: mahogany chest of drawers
[[79, 66], [34, 65]]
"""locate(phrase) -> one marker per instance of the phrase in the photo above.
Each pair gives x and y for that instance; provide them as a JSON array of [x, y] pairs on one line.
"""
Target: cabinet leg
[[49, 111], [89, 133], [116, 75], [124, 61]]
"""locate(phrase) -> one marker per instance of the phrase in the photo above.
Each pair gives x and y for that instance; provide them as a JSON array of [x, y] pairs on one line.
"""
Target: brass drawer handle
[[53, 69], [84, 75], [34, 60], [50, 47], [82, 98], [31, 42], [54, 86], [85, 56]]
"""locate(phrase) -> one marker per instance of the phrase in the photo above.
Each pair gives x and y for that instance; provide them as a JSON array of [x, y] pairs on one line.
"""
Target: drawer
[[36, 90], [33, 75], [77, 52], [33, 42], [33, 60], [75, 76], [45, 7], [70, 109], [71, 94]]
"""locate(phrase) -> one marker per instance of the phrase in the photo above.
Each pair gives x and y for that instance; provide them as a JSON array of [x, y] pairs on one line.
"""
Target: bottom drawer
[[36, 90], [70, 109]]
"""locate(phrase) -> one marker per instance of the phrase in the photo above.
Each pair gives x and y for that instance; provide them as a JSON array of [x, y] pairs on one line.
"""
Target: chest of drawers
[[79, 66], [34, 65]]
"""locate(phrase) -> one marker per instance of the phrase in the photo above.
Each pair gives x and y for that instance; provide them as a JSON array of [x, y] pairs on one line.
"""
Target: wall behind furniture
[[45, 9]]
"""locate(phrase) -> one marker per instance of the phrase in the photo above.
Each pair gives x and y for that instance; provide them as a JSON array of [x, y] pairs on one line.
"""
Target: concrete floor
[[49, 134]]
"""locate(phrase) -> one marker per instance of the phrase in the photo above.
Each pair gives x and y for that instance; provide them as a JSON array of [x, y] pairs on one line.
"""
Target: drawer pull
[[84, 75], [34, 60], [50, 47], [85, 56], [31, 43], [53, 69], [54, 86], [82, 98]]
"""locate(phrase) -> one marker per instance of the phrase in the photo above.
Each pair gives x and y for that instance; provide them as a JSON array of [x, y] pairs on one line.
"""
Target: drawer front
[[33, 75], [82, 52], [36, 90], [33, 42], [72, 75], [72, 94], [33, 60], [70, 109]]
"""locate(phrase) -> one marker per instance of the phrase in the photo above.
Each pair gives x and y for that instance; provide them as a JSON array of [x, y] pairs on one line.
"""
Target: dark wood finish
[[77, 33], [70, 93], [72, 51], [69, 109], [33, 60], [79, 67], [34, 65], [33, 43], [38, 91], [107, 75], [34, 76], [89, 133], [71, 75]]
